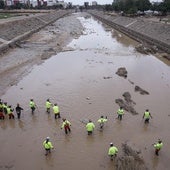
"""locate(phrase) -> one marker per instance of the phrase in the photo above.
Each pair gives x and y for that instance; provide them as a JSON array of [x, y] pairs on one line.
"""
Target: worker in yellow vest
[[5, 105], [120, 113], [147, 115], [66, 125], [10, 112], [112, 151], [1, 106], [90, 127], [48, 105], [47, 146], [56, 111], [158, 146], [32, 105], [101, 121]]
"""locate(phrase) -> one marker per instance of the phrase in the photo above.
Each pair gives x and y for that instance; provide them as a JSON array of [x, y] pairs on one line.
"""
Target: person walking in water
[[90, 127], [2, 114], [47, 146], [101, 121], [66, 125], [5, 105], [112, 151], [158, 146], [120, 113], [147, 115], [32, 105], [1, 111], [48, 105], [18, 110], [56, 111], [10, 112]]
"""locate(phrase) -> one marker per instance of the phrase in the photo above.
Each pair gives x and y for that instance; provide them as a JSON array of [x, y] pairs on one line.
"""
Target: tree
[[2, 5], [155, 7], [108, 7], [167, 5], [143, 5], [163, 8]]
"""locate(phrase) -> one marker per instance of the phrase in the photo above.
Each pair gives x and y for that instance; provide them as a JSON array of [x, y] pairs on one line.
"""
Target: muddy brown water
[[75, 80]]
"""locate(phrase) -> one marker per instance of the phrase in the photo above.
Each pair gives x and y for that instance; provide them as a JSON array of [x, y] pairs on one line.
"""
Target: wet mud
[[82, 81]]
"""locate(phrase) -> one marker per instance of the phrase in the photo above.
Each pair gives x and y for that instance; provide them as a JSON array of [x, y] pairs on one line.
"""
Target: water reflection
[[155, 162], [3, 124], [21, 124], [12, 123]]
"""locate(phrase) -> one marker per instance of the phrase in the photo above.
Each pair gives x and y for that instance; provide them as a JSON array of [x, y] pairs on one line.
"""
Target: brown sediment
[[131, 159], [127, 103]]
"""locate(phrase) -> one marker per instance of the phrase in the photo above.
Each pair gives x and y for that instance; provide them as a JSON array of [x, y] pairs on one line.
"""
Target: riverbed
[[82, 80]]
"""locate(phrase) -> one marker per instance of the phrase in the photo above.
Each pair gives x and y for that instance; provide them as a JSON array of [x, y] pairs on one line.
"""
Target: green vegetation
[[132, 6], [9, 15], [5, 15]]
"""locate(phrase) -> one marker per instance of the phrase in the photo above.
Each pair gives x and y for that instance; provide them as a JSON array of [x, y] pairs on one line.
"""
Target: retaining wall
[[16, 30], [153, 33]]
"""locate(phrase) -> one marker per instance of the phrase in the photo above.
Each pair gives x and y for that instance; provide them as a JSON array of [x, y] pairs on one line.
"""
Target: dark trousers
[[11, 116], [157, 151], [32, 109], [89, 132], [147, 120], [18, 115], [57, 115], [47, 151], [5, 110], [101, 125], [119, 117], [113, 156], [67, 129], [48, 110], [2, 116]]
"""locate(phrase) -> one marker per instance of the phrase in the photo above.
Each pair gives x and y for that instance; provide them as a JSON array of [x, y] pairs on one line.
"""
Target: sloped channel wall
[[16, 30], [153, 33]]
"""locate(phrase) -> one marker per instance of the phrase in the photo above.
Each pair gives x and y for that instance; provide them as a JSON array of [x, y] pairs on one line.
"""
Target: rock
[[122, 72], [131, 81], [127, 104], [131, 159], [141, 91], [107, 77], [127, 96], [167, 56], [140, 48]]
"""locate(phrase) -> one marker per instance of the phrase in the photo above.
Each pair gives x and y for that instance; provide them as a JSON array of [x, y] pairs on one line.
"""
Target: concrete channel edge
[[7, 44]]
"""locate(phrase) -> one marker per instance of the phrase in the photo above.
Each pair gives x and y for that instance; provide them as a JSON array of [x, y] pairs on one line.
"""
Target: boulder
[[122, 72]]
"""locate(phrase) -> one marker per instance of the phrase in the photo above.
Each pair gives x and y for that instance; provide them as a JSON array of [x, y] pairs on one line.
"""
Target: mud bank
[[19, 28], [153, 33], [17, 62]]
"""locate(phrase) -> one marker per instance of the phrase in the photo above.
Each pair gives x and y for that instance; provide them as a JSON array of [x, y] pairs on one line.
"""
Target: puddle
[[75, 80]]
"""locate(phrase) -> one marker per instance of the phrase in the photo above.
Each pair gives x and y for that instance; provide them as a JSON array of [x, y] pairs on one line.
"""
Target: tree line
[[132, 6]]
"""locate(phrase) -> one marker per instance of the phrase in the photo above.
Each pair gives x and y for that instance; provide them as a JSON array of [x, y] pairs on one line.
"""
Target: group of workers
[[6, 109], [112, 152]]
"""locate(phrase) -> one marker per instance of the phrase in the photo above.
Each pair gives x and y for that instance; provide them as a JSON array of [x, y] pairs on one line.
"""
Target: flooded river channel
[[82, 80]]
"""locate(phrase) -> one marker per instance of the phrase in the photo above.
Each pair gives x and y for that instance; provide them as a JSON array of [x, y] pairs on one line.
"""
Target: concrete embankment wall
[[154, 33], [18, 29]]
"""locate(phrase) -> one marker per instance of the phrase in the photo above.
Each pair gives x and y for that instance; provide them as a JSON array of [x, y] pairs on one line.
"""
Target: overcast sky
[[81, 2]]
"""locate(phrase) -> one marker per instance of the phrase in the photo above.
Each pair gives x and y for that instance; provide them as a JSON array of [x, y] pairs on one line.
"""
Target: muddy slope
[[154, 33], [17, 62]]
